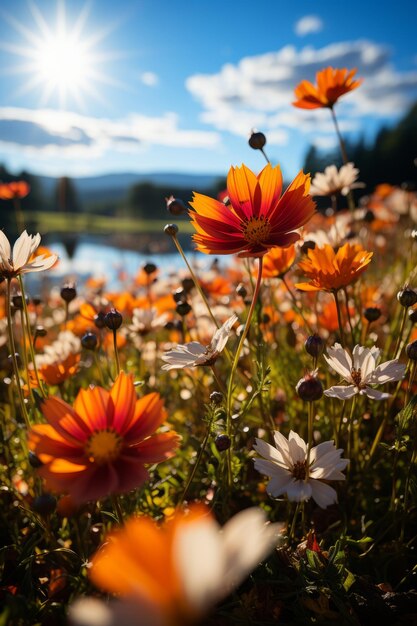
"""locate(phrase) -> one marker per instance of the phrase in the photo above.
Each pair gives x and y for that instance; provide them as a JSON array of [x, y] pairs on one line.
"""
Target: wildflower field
[[232, 445]]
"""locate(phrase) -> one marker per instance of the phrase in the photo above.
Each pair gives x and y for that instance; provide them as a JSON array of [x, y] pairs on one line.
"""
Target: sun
[[62, 59]]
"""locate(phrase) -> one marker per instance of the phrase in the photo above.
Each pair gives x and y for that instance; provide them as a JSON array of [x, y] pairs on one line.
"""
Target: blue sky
[[177, 86]]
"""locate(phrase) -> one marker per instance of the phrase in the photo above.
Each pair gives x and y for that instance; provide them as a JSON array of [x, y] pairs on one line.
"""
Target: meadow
[[235, 445]]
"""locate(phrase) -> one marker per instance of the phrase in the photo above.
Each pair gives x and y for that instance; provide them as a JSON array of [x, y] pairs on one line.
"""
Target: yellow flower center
[[104, 446], [256, 230]]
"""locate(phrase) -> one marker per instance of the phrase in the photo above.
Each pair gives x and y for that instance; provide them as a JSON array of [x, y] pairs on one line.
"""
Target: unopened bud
[[222, 442], [171, 229], [113, 319], [407, 297], [314, 345], [68, 292], [257, 140], [309, 388], [175, 206]]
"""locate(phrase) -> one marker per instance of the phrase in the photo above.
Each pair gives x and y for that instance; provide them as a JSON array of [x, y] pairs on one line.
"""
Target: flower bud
[[372, 313], [222, 442], [100, 320], [411, 351], [149, 268], [369, 216], [113, 319], [40, 331], [179, 295], [412, 315], [36, 300], [18, 359], [34, 461], [183, 308], [89, 341], [175, 206], [407, 297], [44, 504], [309, 388], [171, 229], [307, 245], [216, 397], [187, 284], [257, 140], [241, 290], [68, 292], [17, 301], [314, 345]]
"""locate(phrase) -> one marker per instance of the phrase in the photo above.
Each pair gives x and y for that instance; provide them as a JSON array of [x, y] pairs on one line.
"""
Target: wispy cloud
[[258, 91], [49, 131], [150, 79], [308, 24]]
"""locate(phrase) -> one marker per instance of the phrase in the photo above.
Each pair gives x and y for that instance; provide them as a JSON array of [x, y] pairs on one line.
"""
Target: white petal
[[198, 555], [269, 452], [386, 372], [88, 611], [5, 249], [297, 447], [340, 360], [282, 445], [343, 392], [374, 394], [320, 450], [222, 335], [270, 469], [21, 250], [279, 484], [323, 494], [299, 490], [40, 263]]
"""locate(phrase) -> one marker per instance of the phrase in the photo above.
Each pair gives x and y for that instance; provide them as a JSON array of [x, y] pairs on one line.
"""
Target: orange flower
[[329, 270], [278, 261], [331, 84], [57, 373], [102, 444], [15, 189], [258, 217]]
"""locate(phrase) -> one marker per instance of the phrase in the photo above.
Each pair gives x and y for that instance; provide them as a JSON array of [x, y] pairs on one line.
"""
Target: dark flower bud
[[89, 341], [34, 461], [266, 318], [18, 359], [309, 388], [179, 295], [241, 290], [257, 140], [411, 351], [372, 313], [314, 345], [175, 206], [113, 319], [100, 320], [307, 245], [36, 300], [40, 331], [222, 442], [187, 284], [183, 308], [169, 325], [17, 301], [149, 268], [68, 292], [171, 229], [369, 216], [216, 397], [412, 315], [407, 297], [44, 504]]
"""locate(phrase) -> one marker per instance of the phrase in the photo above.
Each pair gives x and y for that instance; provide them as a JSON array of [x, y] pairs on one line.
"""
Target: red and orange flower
[[332, 83], [14, 189], [258, 217], [101, 445], [329, 270]]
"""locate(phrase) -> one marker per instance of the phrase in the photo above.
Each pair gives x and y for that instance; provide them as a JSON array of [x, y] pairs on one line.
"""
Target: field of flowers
[[235, 445]]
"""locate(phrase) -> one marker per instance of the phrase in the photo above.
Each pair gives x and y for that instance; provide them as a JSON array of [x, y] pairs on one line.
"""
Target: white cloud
[[308, 24], [150, 79], [258, 90], [52, 132]]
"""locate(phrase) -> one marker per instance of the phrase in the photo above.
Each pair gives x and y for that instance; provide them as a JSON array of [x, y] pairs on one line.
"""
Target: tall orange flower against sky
[[258, 217], [332, 83], [329, 270], [101, 445]]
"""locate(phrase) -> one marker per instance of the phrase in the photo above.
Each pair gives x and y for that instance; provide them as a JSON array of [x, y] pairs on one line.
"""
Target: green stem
[[339, 319], [31, 347], [397, 350], [348, 316], [13, 355], [116, 352], [343, 152], [310, 436], [117, 508], [197, 463]]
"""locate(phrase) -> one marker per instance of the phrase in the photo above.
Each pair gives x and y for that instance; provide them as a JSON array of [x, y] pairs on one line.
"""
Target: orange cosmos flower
[[278, 261], [331, 84], [329, 270], [15, 189], [257, 218], [102, 444]]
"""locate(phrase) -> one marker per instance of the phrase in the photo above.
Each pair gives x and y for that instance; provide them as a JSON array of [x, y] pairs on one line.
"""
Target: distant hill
[[114, 186]]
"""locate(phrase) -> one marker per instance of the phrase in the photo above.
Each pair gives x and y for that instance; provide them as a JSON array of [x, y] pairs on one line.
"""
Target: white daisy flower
[[18, 261], [333, 181], [287, 466], [194, 353], [360, 370]]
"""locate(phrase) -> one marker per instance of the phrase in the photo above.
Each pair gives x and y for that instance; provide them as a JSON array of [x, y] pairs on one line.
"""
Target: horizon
[[86, 95]]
